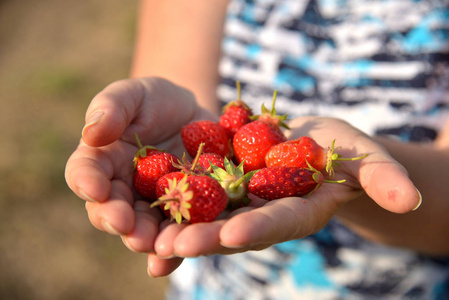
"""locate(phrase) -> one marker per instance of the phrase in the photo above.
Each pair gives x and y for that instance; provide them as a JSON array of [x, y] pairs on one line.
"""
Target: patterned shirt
[[381, 65]]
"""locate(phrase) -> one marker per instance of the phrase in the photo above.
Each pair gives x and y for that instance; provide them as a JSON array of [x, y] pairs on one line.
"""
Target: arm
[[180, 41]]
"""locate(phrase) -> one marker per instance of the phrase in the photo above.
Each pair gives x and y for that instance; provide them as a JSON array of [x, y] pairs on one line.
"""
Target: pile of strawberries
[[240, 154]]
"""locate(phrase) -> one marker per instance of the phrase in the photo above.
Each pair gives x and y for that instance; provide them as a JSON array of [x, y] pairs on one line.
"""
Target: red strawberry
[[235, 114], [201, 163], [150, 164], [162, 183], [194, 198], [252, 141], [206, 158], [303, 151], [211, 134], [279, 182]]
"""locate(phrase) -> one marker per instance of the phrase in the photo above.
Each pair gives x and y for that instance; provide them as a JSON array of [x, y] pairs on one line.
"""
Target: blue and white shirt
[[383, 66]]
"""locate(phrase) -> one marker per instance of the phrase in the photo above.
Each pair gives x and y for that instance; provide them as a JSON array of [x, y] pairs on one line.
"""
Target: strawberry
[[211, 134], [201, 163], [162, 185], [235, 114], [150, 164], [279, 182], [303, 151], [162, 182], [252, 141], [206, 159], [196, 198]]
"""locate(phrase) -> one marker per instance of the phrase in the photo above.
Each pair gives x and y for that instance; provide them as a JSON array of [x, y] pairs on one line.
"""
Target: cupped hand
[[100, 169], [264, 223], [100, 172]]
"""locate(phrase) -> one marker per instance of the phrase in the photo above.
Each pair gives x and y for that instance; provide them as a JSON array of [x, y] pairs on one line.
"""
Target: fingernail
[[93, 118], [127, 244], [177, 255], [420, 200], [108, 227], [84, 196], [149, 273], [166, 257], [232, 246]]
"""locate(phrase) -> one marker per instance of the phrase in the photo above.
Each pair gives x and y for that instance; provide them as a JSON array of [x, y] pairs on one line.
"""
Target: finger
[[111, 111], [158, 267], [199, 239], [115, 215], [132, 106], [278, 221], [204, 239], [388, 184], [164, 243], [146, 228], [382, 177], [88, 174]]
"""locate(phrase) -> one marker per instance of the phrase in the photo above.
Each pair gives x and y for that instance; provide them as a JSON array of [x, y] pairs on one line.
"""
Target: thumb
[[387, 183], [111, 111]]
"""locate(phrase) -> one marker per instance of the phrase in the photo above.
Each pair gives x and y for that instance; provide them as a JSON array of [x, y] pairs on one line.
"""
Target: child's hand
[[100, 170], [267, 223]]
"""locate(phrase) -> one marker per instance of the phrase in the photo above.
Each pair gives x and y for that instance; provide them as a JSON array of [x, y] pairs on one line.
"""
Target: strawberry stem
[[334, 181], [273, 109], [197, 157], [333, 158], [139, 144], [163, 201], [339, 158], [239, 90]]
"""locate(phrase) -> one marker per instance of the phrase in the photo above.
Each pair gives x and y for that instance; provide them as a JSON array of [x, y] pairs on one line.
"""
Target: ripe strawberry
[[279, 182], [162, 183], [201, 163], [252, 141], [206, 159], [235, 114], [211, 134], [150, 164], [194, 198], [303, 151]]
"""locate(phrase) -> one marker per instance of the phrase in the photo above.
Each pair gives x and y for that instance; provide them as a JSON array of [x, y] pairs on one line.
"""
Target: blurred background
[[55, 55]]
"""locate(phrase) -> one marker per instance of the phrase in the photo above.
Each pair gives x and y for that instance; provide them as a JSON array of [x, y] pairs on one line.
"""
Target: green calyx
[[234, 181], [318, 178], [142, 152], [334, 158], [271, 116], [176, 199]]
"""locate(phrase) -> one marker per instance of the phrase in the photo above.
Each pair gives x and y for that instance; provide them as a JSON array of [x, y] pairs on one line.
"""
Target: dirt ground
[[55, 55]]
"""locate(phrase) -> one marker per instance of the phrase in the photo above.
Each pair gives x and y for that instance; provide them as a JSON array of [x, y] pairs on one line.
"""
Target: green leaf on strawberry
[[271, 116], [333, 159], [234, 181]]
